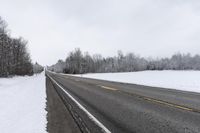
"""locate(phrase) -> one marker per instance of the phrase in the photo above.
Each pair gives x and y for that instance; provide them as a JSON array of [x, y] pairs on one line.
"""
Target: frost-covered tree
[[59, 67], [77, 63], [37, 68], [14, 58]]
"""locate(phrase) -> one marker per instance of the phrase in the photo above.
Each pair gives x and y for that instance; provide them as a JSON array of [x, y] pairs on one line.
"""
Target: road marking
[[97, 122], [108, 88], [169, 104], [165, 103], [155, 100]]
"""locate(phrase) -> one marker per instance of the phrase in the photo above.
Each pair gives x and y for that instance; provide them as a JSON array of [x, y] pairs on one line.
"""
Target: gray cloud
[[147, 27]]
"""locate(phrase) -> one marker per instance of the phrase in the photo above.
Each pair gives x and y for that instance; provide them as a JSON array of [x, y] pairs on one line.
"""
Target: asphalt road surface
[[99, 106]]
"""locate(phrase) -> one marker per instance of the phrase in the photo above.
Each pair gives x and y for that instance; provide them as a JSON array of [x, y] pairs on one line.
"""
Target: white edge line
[[97, 122]]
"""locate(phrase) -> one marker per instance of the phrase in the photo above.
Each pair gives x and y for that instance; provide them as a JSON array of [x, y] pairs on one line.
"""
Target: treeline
[[78, 63], [14, 58], [37, 68]]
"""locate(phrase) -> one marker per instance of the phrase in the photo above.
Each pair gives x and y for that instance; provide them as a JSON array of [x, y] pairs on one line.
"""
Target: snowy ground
[[180, 80], [22, 104]]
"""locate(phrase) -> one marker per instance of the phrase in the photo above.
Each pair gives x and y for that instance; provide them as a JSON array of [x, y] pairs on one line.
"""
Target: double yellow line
[[154, 100], [169, 104]]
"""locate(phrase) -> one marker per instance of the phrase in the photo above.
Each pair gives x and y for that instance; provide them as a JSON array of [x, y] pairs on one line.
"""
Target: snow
[[22, 104], [180, 80]]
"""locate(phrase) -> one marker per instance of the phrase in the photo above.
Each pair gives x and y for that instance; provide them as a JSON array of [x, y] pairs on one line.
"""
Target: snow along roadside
[[22, 103]]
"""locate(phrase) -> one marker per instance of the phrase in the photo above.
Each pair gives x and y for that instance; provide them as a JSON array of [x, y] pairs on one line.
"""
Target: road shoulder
[[58, 117]]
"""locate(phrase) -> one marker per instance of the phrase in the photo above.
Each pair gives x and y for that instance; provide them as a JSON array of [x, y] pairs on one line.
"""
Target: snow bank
[[22, 104], [180, 80]]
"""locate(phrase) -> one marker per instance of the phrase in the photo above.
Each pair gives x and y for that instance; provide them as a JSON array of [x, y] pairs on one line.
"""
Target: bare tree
[[14, 58], [77, 63]]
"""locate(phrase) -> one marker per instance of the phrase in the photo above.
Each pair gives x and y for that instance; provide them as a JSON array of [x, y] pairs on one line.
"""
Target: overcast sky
[[156, 28]]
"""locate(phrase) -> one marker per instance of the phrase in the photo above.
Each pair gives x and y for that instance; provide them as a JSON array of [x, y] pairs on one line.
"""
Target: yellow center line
[[154, 100], [165, 103], [169, 104], [108, 88]]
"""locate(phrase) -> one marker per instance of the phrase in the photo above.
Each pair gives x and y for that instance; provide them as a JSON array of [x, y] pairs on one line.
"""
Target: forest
[[14, 56], [78, 62]]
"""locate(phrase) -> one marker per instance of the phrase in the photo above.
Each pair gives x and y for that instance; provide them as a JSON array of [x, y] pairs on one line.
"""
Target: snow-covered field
[[22, 104], [180, 80]]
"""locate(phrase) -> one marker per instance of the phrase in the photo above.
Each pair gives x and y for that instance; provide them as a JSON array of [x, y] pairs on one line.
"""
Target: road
[[127, 108]]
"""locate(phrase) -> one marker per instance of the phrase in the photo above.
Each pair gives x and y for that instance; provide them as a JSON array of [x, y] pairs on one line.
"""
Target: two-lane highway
[[103, 106]]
